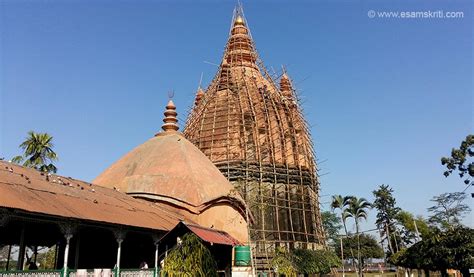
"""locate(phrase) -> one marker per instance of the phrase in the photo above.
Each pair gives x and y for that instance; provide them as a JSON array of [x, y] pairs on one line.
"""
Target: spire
[[286, 87], [240, 49], [170, 119], [199, 95]]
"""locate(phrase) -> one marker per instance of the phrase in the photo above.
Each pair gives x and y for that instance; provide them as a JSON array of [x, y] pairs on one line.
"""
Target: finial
[[170, 119], [239, 20]]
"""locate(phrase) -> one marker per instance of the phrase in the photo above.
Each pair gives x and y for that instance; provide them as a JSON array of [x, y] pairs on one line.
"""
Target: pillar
[[119, 237], [156, 243], [21, 255], [4, 218], [35, 253], [66, 252], [8, 257], [67, 229], [76, 256]]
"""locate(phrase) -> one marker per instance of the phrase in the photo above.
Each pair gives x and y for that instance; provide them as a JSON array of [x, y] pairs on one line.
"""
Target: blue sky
[[385, 98]]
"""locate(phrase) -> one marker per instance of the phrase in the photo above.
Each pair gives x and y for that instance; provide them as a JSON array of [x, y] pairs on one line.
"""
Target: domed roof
[[170, 169]]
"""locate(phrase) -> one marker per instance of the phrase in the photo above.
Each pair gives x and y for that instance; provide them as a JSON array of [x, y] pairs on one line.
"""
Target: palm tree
[[38, 152], [357, 209], [341, 203]]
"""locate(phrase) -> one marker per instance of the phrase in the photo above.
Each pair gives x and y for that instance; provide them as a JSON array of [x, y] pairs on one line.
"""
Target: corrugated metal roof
[[29, 190], [212, 235]]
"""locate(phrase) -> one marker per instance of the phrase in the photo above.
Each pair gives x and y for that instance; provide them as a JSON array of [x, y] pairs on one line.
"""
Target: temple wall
[[224, 217]]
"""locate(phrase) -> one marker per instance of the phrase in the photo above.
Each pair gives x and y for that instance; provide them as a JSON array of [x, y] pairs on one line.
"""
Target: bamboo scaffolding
[[255, 133]]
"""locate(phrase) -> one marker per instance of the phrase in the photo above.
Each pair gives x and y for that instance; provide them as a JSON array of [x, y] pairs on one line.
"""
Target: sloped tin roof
[[29, 190]]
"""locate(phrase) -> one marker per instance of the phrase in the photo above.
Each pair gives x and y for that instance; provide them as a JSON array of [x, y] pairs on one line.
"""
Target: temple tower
[[252, 128]]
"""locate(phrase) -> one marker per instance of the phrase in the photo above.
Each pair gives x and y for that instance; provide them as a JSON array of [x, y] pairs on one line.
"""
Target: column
[[4, 218], [68, 238], [67, 229], [76, 256], [119, 237], [156, 242], [21, 255]]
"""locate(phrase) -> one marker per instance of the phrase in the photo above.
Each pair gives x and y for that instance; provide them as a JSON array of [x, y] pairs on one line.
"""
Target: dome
[[168, 168]]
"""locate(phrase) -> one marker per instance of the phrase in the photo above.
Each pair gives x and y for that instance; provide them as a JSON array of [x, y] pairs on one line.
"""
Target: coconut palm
[[358, 208], [38, 152]]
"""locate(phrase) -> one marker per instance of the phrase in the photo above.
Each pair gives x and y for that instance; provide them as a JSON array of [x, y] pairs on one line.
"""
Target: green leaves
[[38, 152], [283, 263], [369, 248], [448, 209], [331, 225], [315, 261], [461, 160], [453, 248], [387, 211], [358, 208], [304, 261], [190, 258]]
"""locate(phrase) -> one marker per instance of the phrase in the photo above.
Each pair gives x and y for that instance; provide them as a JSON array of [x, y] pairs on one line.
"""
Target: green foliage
[[38, 152], [448, 209], [304, 261], [190, 258], [331, 225], [315, 261], [358, 208], [341, 203], [369, 248], [453, 248], [408, 228], [46, 259], [385, 204], [461, 160], [283, 263]]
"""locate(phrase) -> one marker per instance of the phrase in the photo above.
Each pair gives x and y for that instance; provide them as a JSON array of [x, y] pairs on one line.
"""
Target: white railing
[[21, 273], [137, 273], [79, 273], [98, 272]]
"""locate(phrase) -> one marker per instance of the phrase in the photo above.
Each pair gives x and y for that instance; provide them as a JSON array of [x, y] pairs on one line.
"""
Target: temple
[[251, 127], [243, 172], [132, 214]]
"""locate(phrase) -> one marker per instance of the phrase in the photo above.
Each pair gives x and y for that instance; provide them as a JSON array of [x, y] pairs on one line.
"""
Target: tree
[[461, 160], [453, 248], [46, 259], [357, 209], [283, 263], [315, 261], [331, 225], [341, 203], [386, 213], [369, 248], [38, 152], [412, 228], [304, 261], [190, 258], [448, 209]]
